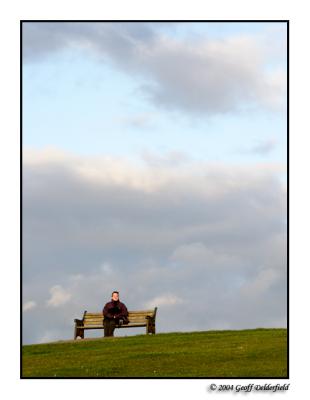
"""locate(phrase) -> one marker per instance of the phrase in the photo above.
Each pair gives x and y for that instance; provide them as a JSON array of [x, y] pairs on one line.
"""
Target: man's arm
[[106, 312], [123, 312]]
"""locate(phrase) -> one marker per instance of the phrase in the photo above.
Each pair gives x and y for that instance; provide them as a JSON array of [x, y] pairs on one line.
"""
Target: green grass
[[246, 353]]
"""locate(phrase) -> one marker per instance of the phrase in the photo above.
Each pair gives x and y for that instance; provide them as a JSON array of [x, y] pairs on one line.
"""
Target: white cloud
[[164, 300], [212, 76], [29, 305], [192, 252], [261, 283], [59, 296], [77, 277], [106, 268], [49, 336], [169, 159], [140, 121], [120, 172], [262, 148]]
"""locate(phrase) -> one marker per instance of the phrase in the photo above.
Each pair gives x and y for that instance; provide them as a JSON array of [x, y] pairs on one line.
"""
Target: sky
[[154, 163]]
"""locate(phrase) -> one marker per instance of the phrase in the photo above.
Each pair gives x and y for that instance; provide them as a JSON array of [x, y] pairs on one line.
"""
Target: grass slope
[[246, 353]]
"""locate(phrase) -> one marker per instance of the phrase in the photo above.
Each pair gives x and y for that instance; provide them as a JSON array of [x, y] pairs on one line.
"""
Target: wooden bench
[[136, 319]]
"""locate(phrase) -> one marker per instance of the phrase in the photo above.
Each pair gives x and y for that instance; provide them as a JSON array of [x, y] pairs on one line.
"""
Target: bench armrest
[[78, 322], [153, 317]]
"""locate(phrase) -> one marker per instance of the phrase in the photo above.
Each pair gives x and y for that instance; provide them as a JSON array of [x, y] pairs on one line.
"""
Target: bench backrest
[[139, 317], [135, 317], [90, 319]]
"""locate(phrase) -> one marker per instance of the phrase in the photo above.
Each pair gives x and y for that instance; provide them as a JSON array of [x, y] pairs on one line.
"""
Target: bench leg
[[78, 332], [150, 327], [81, 333]]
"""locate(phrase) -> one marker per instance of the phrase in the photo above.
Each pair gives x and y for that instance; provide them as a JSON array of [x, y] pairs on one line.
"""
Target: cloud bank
[[206, 243]]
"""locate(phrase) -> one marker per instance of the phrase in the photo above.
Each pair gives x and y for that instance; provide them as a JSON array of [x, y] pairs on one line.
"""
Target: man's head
[[115, 296]]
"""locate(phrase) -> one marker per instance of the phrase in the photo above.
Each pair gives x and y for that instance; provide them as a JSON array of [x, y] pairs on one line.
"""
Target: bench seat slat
[[151, 312], [101, 326], [129, 317], [131, 321], [94, 321]]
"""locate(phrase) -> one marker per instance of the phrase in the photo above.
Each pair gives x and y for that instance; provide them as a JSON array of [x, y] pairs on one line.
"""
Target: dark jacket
[[117, 309]]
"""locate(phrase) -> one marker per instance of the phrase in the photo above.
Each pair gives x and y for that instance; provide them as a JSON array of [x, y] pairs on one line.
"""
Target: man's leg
[[112, 327], [106, 327], [109, 326]]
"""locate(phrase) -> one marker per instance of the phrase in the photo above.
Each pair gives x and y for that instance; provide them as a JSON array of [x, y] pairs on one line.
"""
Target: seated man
[[115, 313]]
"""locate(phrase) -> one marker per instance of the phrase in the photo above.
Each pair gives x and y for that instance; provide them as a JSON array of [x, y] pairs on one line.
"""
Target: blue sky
[[154, 163], [74, 101]]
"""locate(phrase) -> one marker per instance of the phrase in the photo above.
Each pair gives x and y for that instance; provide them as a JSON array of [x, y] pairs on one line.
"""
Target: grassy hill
[[246, 353]]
